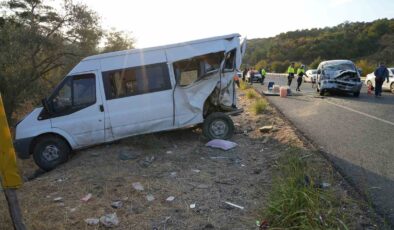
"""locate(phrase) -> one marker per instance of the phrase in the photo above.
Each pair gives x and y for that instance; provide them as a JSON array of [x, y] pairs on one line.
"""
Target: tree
[[36, 41], [118, 40]]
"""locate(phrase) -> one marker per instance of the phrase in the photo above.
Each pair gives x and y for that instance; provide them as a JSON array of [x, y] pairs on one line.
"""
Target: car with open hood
[[338, 76]]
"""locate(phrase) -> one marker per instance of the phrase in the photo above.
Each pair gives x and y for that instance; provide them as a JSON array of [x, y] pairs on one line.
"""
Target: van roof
[[130, 51]]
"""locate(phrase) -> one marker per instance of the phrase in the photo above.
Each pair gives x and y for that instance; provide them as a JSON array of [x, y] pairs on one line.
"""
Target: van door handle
[[101, 108]]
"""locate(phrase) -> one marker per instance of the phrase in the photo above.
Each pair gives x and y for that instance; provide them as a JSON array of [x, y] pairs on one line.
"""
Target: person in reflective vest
[[300, 74], [263, 73], [290, 71]]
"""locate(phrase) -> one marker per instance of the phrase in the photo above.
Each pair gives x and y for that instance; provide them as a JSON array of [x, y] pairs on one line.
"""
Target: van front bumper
[[22, 147], [350, 87]]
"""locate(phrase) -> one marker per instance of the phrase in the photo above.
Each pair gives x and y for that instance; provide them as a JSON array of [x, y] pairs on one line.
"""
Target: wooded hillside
[[364, 43]]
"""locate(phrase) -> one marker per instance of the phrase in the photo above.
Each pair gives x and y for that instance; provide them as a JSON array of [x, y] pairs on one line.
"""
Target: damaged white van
[[120, 94]]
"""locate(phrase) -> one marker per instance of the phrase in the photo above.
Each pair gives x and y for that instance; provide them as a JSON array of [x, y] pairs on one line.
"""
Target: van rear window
[[134, 81]]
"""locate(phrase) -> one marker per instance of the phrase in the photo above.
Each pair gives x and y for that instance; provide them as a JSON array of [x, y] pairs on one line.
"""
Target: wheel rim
[[50, 153], [218, 128]]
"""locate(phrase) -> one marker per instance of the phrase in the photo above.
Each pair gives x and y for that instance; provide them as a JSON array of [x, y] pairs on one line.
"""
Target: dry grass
[[259, 106]]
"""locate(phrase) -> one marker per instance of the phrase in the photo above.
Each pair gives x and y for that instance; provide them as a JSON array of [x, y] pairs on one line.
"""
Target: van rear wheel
[[50, 151], [218, 126]]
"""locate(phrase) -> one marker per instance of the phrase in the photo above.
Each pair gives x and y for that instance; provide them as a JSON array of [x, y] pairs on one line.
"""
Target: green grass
[[259, 106], [251, 94], [243, 85], [296, 202]]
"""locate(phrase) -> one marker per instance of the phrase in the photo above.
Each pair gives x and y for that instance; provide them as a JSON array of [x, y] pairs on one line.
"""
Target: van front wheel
[[50, 151], [218, 126]]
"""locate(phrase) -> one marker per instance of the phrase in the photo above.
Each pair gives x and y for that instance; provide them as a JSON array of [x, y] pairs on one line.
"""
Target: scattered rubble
[[221, 144], [147, 161], [117, 204], [87, 197], [58, 199], [109, 220], [92, 221], [150, 197], [138, 186], [266, 129], [170, 198]]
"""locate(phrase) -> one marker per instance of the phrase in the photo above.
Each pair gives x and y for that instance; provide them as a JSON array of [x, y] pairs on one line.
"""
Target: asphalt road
[[356, 133]]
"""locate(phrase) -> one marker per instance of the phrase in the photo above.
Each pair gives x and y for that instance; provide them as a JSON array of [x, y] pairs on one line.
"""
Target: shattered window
[[229, 65], [134, 81], [191, 70]]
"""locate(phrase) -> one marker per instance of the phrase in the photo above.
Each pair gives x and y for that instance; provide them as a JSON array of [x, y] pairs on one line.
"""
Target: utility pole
[[9, 173]]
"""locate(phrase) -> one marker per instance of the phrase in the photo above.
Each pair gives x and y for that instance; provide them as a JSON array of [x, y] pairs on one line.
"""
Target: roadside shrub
[[297, 202], [251, 94], [259, 106], [243, 85]]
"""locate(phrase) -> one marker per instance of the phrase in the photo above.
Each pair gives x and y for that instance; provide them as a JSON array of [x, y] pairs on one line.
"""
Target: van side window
[[137, 80], [191, 70], [229, 64], [76, 92]]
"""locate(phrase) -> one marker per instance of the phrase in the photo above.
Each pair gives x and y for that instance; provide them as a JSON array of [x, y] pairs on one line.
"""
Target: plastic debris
[[92, 221], [266, 129], [58, 199], [170, 198], [234, 205], [221, 144], [325, 185], [192, 206], [169, 152], [150, 197], [87, 197], [109, 220], [173, 174], [117, 204], [138, 186], [196, 170]]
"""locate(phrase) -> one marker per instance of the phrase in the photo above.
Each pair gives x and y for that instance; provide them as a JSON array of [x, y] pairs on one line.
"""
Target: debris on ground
[[170, 198], [146, 161], [234, 205], [117, 204], [150, 197], [87, 197], [138, 186], [192, 206], [92, 221], [58, 199], [109, 220], [196, 170], [266, 129], [221, 144], [126, 155]]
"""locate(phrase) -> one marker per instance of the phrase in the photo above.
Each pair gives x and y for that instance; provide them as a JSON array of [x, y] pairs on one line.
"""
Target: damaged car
[[115, 95], [338, 76]]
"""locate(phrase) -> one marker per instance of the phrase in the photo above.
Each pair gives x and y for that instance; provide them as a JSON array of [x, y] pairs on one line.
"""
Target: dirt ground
[[175, 163]]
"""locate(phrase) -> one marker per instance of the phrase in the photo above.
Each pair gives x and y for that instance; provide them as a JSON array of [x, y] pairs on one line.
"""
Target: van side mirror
[[46, 106]]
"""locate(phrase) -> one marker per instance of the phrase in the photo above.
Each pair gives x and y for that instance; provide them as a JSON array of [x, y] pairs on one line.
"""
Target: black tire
[[321, 92], [218, 126], [50, 151], [370, 83], [356, 94], [392, 87]]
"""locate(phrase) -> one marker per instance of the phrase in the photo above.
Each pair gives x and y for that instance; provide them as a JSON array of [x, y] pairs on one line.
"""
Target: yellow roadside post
[[9, 173]]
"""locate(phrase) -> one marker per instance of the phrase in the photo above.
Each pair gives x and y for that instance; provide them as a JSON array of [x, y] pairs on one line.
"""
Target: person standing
[[381, 73], [300, 74], [263, 73], [244, 74], [290, 71]]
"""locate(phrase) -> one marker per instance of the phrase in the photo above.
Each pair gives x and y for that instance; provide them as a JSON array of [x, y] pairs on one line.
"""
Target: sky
[[155, 22]]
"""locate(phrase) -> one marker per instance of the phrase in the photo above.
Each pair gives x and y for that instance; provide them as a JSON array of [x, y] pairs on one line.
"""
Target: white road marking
[[361, 113]]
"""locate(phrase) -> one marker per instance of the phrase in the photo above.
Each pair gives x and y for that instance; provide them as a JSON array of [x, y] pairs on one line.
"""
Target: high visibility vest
[[263, 72], [290, 69], [9, 173], [300, 70]]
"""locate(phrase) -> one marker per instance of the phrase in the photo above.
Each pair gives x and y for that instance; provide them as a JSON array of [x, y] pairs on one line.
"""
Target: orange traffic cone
[[369, 89]]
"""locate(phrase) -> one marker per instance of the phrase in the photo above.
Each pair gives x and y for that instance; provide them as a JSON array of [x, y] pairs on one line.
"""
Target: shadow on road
[[362, 179]]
